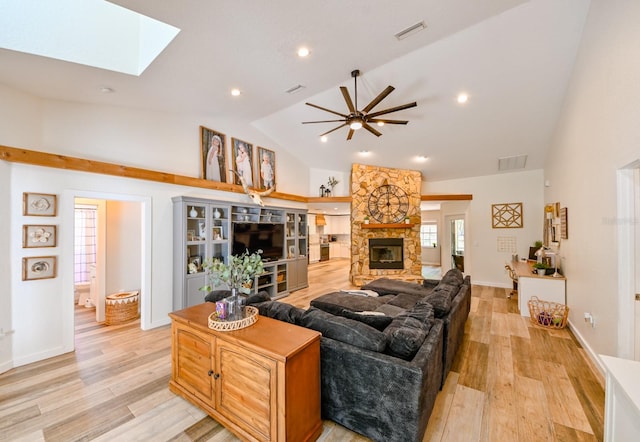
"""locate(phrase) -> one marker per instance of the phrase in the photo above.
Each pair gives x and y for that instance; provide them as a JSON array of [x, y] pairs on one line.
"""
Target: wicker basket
[[250, 317], [121, 307], [547, 314]]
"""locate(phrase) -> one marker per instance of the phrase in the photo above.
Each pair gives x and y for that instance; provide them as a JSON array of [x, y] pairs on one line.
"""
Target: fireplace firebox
[[386, 253]]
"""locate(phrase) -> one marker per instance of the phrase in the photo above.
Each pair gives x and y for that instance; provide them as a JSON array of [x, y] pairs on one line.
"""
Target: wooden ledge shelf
[[387, 226]]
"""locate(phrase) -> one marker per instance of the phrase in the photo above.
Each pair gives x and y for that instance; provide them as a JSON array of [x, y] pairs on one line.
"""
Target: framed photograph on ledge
[[38, 267], [38, 236], [266, 168], [39, 204], [242, 153], [213, 154]]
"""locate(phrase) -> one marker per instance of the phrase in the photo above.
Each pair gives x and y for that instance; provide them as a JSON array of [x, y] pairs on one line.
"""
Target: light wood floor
[[510, 382]]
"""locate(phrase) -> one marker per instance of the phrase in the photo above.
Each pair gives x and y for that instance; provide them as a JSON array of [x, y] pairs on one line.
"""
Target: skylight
[[90, 32]]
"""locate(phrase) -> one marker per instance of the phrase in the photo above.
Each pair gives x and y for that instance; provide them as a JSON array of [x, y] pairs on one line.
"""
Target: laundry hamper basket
[[121, 307], [547, 314]]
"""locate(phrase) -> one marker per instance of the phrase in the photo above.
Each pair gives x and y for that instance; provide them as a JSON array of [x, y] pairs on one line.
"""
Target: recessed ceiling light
[[364, 153], [235, 92], [422, 158], [106, 90], [380, 123], [462, 98], [324, 138], [303, 52]]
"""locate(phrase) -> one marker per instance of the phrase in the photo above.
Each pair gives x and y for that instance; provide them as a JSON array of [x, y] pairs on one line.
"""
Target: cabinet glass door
[[195, 235]]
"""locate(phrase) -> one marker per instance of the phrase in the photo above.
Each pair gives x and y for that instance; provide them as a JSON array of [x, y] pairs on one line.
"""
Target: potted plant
[[238, 275], [541, 268], [366, 220], [407, 220]]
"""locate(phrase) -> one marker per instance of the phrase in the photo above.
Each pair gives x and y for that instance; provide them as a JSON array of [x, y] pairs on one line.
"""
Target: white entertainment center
[[206, 228]]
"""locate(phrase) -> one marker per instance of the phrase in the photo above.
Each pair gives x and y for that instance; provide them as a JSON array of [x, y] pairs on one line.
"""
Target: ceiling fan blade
[[350, 134], [393, 109], [371, 129], [335, 128], [347, 99], [381, 96], [323, 121], [382, 120], [325, 109]]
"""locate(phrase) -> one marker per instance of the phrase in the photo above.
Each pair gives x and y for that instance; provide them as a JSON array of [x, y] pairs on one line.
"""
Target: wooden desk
[[261, 382], [546, 288]]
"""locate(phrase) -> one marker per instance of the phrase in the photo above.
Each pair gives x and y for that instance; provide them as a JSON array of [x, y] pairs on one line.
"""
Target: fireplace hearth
[[386, 253]]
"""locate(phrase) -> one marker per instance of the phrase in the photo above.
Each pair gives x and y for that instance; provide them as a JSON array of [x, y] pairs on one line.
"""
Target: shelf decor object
[[239, 273]]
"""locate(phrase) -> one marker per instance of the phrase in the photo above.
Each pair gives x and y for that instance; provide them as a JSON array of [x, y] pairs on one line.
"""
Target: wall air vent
[[296, 88], [512, 163], [413, 29]]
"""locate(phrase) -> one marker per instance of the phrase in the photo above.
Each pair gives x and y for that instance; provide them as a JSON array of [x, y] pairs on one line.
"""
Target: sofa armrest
[[380, 396], [454, 326]]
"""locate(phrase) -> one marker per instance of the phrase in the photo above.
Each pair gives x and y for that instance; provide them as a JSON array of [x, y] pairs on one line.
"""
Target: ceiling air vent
[[410, 30], [512, 163], [296, 88]]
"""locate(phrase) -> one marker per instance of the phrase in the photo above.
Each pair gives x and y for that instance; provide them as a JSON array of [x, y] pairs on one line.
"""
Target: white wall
[[597, 134], [483, 262], [123, 254]]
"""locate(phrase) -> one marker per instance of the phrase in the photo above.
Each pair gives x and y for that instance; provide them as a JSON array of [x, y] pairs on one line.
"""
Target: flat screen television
[[255, 236]]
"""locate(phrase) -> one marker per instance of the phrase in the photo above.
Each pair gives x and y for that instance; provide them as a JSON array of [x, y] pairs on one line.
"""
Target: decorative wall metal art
[[506, 216]]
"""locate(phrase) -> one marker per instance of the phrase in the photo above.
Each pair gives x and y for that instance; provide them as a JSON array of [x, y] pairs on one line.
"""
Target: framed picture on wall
[[242, 153], [213, 155], [39, 204], [266, 168], [564, 227], [38, 236], [38, 267]]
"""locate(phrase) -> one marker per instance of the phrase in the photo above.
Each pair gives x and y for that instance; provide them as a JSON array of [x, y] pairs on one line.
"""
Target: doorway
[[457, 243], [628, 189], [128, 220]]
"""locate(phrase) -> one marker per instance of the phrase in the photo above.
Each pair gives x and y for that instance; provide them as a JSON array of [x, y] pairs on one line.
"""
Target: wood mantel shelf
[[387, 226]]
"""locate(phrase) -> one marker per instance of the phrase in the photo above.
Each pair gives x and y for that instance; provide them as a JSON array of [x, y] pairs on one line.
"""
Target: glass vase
[[234, 307]]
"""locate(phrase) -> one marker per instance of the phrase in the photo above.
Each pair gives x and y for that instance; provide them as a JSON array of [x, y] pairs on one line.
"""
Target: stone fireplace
[[368, 263], [386, 253]]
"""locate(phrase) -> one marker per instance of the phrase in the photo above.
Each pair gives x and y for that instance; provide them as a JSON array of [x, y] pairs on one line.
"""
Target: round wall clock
[[388, 204]]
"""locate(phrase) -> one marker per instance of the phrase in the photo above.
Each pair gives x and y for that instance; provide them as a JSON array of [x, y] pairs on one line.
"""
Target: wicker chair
[[514, 278]]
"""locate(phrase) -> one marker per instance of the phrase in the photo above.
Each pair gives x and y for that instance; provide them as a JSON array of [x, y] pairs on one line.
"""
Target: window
[[429, 235], [85, 242]]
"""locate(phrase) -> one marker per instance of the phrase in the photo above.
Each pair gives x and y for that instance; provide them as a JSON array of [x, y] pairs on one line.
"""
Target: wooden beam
[[447, 197], [36, 158], [16, 155]]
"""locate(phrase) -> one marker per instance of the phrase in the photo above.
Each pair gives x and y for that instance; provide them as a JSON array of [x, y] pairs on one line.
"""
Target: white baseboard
[[35, 357], [6, 366], [595, 359]]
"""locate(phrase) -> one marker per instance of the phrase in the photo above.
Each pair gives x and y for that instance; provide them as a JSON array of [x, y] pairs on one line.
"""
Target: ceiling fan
[[357, 119]]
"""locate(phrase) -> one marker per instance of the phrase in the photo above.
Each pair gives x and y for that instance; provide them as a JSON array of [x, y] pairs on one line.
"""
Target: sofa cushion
[[261, 296], [407, 332], [453, 277], [217, 295], [386, 286], [440, 302], [344, 329], [281, 311], [406, 300], [379, 322], [335, 302]]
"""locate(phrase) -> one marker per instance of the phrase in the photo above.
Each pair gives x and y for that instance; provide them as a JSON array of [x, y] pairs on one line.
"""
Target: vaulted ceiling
[[512, 57]]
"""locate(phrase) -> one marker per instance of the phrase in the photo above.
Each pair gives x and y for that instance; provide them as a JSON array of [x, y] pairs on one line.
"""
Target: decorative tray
[[250, 316]]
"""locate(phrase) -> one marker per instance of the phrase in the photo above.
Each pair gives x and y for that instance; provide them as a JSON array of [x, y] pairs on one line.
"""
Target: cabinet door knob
[[210, 372], [216, 376]]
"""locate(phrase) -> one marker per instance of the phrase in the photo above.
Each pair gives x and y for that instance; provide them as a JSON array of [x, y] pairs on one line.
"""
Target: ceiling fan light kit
[[357, 119]]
